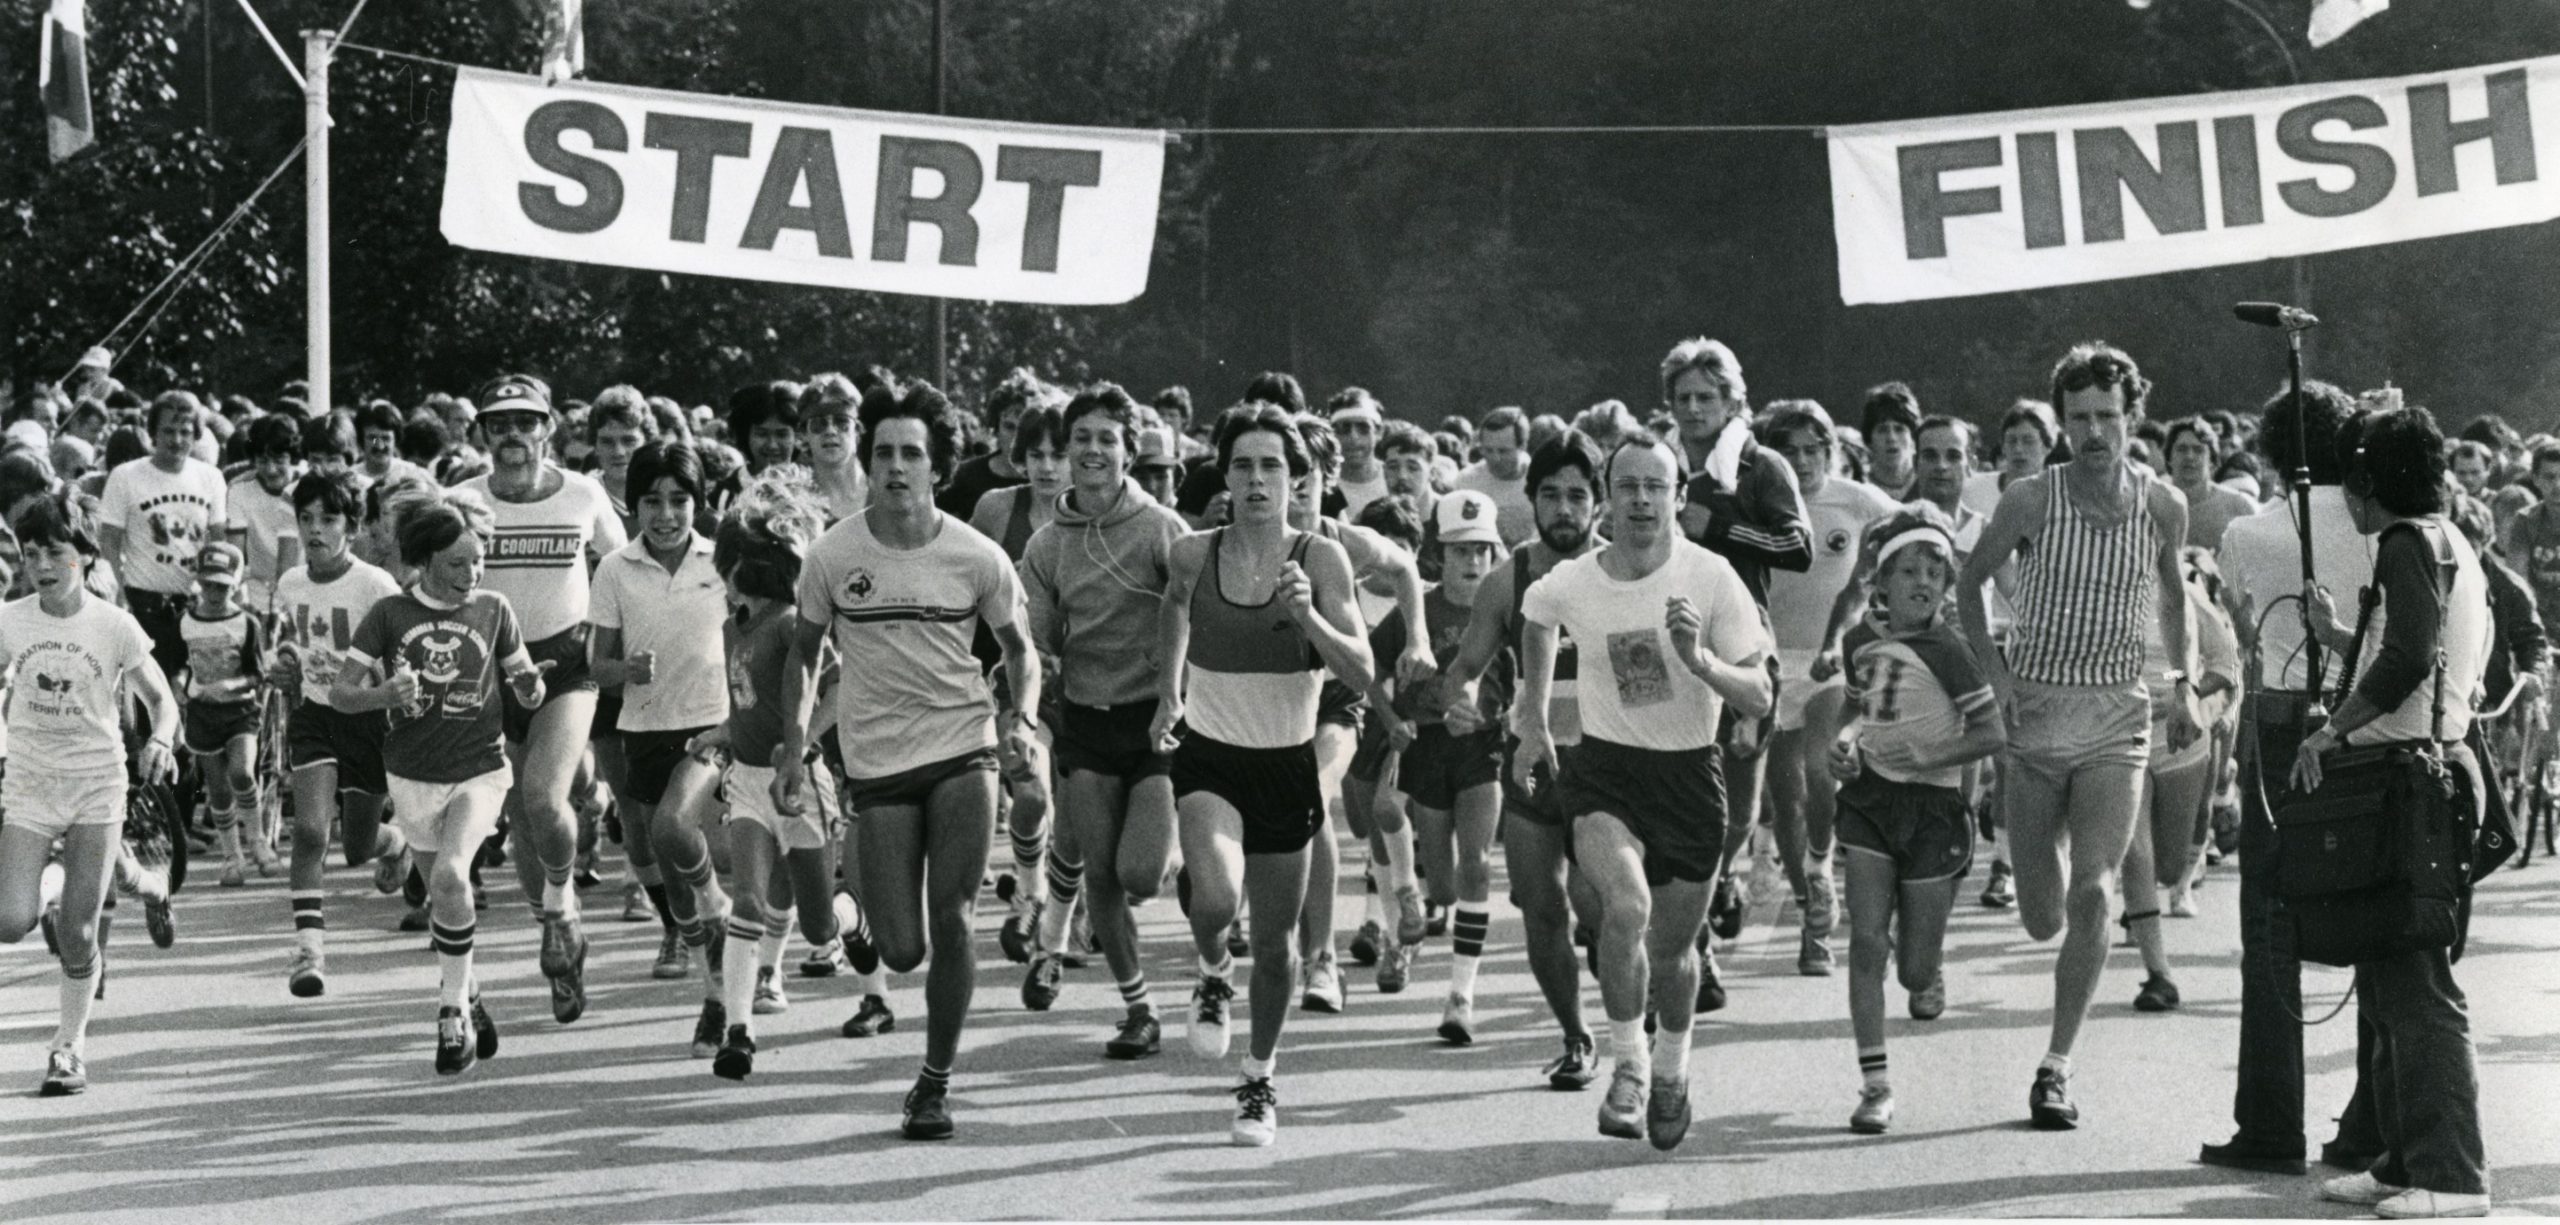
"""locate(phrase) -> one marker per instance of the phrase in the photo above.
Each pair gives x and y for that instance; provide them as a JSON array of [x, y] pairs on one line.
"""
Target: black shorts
[[210, 726], [1540, 808], [567, 650], [1274, 790], [163, 618], [649, 759], [1672, 800], [1108, 740], [608, 713], [324, 735], [1926, 831], [1373, 757], [1437, 767], [911, 788], [1341, 705]]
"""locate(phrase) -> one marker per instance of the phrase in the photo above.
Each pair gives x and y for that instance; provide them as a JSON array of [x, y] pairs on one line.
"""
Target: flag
[[564, 39], [62, 77], [2331, 19]]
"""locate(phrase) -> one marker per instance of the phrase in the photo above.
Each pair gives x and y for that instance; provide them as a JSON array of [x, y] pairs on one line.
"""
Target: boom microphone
[[2275, 315]]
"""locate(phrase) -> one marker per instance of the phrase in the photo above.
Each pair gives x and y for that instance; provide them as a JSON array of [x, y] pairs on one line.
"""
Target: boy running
[[222, 696]]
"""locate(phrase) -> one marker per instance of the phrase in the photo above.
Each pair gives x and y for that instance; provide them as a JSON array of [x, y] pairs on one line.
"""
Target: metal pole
[[941, 306], [316, 47], [2302, 506]]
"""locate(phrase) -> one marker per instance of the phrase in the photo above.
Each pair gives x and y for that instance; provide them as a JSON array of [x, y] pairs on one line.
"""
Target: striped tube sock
[[1026, 858], [931, 1075], [79, 995], [1133, 992], [308, 921], [738, 968], [1466, 943], [1871, 1066], [453, 959], [1066, 878]]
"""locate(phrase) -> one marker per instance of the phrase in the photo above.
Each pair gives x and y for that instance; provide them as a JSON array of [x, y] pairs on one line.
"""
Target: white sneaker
[[769, 997], [2359, 1188], [1320, 984], [1210, 1005], [1257, 1114], [2416, 1205]]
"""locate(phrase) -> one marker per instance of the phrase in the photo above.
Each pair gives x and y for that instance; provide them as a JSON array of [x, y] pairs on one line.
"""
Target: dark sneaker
[[1413, 916], [485, 1028], [1725, 910], [1139, 1037], [304, 974], [1040, 986], [389, 871], [1208, 1031], [2244, 1153], [928, 1111], [2049, 1104], [1666, 1121], [64, 1074], [710, 1028], [1014, 938], [414, 919], [1458, 1021], [674, 959], [2158, 994], [1435, 923], [554, 958], [1622, 1109], [872, 1019], [1930, 1002], [456, 1049], [737, 1057], [1395, 968], [1364, 946], [1813, 955], [569, 988], [413, 887], [2000, 893], [1574, 1070], [1711, 994], [859, 952], [1257, 1121], [824, 960], [161, 923], [1237, 946]]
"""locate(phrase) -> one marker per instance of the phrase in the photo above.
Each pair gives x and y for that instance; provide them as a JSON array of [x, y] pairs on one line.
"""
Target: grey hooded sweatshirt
[[1093, 583]]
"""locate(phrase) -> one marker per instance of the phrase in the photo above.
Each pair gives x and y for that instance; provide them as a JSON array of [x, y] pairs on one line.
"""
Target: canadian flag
[[2331, 19], [62, 77]]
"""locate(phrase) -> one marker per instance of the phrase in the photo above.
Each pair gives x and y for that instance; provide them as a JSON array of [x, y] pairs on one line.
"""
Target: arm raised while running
[[1173, 634], [1317, 594], [1372, 554]]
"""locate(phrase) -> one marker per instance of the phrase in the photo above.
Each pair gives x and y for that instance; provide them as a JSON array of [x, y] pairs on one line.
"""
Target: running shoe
[[456, 1050], [928, 1111], [1081, 945], [157, 918], [1413, 916], [2360, 1188], [1237, 945], [824, 960], [1139, 1037], [1711, 993], [1395, 968], [737, 1055], [2419, 1204], [635, 902], [769, 996], [413, 883], [1040, 986], [1999, 893], [2182, 901], [1930, 1002], [1320, 984], [482, 1025], [1365, 945], [264, 856], [859, 952], [1813, 955], [235, 873], [1622, 1110], [1008, 889], [1257, 1114], [2158, 994], [64, 1074], [1015, 936], [305, 974], [1666, 1120], [390, 870], [569, 988], [710, 1028], [674, 959], [1574, 1070], [1726, 908], [554, 957], [1822, 903], [1208, 1030], [1875, 1111], [414, 919], [1458, 1021], [1435, 922], [2049, 1104], [872, 1019]]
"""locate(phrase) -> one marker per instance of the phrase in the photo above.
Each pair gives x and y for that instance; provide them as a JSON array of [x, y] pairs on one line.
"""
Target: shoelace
[[1214, 994], [1255, 1099]]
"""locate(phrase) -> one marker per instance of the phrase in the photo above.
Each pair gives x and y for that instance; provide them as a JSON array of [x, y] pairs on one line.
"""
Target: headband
[[1923, 534]]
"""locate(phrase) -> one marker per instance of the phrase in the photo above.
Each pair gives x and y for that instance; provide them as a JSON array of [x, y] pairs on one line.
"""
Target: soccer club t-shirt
[[454, 731], [1633, 691], [166, 518], [1800, 603], [902, 620], [66, 673], [320, 619], [1911, 690]]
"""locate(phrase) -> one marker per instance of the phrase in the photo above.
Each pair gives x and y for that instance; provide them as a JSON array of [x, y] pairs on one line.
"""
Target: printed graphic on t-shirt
[[1643, 674], [742, 682], [452, 662]]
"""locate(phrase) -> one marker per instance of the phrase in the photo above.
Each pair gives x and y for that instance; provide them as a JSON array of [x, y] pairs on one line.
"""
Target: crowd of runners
[[804, 659]]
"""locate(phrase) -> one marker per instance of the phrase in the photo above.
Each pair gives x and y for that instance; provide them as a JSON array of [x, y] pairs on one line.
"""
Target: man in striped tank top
[[2097, 547]]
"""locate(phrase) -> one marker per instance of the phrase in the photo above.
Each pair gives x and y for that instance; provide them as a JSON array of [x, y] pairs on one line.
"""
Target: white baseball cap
[[1467, 517]]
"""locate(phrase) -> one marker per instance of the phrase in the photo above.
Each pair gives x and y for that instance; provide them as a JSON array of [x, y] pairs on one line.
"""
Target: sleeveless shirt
[[1253, 676], [2083, 592]]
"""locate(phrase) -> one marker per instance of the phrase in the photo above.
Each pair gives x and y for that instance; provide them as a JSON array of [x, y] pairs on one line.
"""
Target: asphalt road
[[217, 1097]]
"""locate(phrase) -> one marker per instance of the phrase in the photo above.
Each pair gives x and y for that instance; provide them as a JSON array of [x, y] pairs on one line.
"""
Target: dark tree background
[[1447, 273]]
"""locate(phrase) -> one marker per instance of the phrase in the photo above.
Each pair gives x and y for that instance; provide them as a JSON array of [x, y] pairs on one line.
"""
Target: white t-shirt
[[67, 675], [538, 559], [265, 521], [1356, 494], [166, 518], [1513, 515], [320, 619], [1837, 519], [1631, 689], [676, 615]]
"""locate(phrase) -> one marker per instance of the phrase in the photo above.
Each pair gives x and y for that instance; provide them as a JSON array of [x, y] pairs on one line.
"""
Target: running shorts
[[324, 735], [1926, 831], [1374, 755], [1274, 790], [2057, 730], [1797, 688], [568, 651], [210, 726], [450, 818], [750, 793], [1110, 741], [163, 618], [51, 804], [1437, 767], [911, 788], [1672, 800], [608, 721], [1540, 807], [649, 759], [1341, 705]]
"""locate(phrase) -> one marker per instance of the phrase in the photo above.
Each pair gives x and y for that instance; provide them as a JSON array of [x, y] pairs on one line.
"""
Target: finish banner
[[804, 195], [1973, 204]]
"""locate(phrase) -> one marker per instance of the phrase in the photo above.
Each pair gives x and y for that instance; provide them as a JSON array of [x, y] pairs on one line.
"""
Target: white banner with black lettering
[[806, 195], [1971, 204]]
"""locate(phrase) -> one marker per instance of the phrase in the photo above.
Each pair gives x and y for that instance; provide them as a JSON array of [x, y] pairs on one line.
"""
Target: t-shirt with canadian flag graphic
[[454, 732]]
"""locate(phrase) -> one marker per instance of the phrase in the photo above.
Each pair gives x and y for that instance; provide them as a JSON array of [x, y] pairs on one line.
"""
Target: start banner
[[1972, 204], [770, 191]]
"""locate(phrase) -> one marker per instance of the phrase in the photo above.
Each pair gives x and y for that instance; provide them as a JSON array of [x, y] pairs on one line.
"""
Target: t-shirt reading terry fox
[[1632, 690], [454, 732]]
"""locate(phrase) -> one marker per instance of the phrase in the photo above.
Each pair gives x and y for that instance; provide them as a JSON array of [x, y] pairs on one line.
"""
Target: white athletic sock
[[1627, 1048], [2000, 844], [1871, 1067], [769, 951], [738, 969], [1224, 966], [558, 898], [1053, 926], [2057, 1062], [453, 979], [1399, 858], [79, 995], [873, 983], [1259, 1069], [1671, 1053]]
